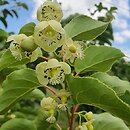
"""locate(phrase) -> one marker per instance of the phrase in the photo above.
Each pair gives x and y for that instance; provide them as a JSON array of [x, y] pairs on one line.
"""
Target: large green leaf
[[18, 124], [16, 85], [7, 60], [122, 88], [105, 121], [97, 58], [87, 90], [85, 28], [28, 29]]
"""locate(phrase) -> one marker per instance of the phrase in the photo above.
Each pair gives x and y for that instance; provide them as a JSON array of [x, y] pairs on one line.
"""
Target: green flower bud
[[48, 104], [52, 72], [49, 11], [81, 127], [28, 44], [89, 116], [49, 35]]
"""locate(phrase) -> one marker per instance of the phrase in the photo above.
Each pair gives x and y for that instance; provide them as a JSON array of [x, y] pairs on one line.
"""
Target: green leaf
[[28, 29], [122, 88], [6, 13], [85, 28], [35, 94], [118, 85], [16, 85], [7, 60], [15, 13], [3, 34], [3, 2], [3, 20], [97, 58], [18, 124], [87, 90], [23, 5], [105, 121]]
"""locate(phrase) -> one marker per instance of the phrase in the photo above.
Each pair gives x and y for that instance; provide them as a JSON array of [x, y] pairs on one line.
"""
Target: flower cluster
[[50, 104], [88, 124], [22, 46]]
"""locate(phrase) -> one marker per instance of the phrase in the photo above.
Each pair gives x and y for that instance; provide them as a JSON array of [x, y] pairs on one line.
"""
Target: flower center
[[53, 72], [49, 32], [72, 49]]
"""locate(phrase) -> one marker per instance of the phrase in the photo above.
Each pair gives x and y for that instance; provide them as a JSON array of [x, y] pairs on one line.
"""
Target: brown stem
[[51, 90], [45, 58], [75, 108]]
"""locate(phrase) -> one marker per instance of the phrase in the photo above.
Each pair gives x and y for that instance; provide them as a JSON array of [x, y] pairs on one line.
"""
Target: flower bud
[[48, 104], [28, 44]]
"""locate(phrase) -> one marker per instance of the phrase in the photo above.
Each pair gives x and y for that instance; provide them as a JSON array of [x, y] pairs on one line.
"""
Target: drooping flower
[[49, 104], [52, 72], [49, 35], [15, 42], [63, 95], [49, 11], [71, 50]]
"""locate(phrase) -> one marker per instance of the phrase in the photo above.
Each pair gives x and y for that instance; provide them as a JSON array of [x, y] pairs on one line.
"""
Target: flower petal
[[66, 67], [40, 68], [52, 63]]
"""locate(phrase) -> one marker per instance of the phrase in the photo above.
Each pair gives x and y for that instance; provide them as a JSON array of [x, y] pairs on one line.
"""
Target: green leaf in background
[[105, 121], [18, 124], [85, 28], [16, 85], [122, 88], [28, 29], [91, 91], [97, 58], [7, 60], [3, 21]]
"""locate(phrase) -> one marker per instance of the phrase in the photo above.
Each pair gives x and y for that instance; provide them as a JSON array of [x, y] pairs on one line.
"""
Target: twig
[[75, 108], [51, 90], [45, 58]]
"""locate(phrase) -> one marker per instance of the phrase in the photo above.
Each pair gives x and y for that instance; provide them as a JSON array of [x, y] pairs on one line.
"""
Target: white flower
[[52, 72], [49, 11], [49, 35], [71, 50], [15, 42]]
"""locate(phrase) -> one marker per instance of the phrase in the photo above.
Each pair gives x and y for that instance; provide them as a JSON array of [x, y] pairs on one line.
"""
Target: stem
[[59, 128], [75, 108], [51, 90], [45, 58]]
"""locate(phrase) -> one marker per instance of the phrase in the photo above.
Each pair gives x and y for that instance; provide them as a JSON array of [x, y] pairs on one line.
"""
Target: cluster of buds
[[88, 124], [50, 104]]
